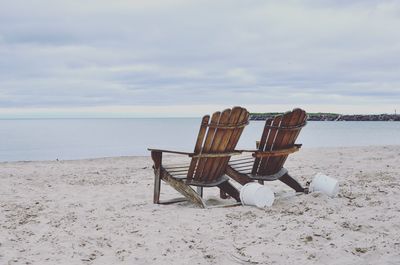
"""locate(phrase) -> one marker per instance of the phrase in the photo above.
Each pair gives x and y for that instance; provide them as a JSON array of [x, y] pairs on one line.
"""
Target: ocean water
[[50, 139]]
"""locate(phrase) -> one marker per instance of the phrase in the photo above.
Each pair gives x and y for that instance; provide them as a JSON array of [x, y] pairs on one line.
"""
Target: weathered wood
[[184, 189], [199, 143], [157, 186], [243, 116], [261, 144], [169, 151], [222, 126], [280, 152], [229, 141], [175, 171], [302, 118], [219, 164], [157, 158], [291, 182], [240, 115], [207, 145], [200, 191], [230, 189], [203, 155], [215, 145], [237, 176], [277, 142], [223, 195], [281, 141], [295, 127], [226, 135], [268, 146], [286, 139], [176, 167], [270, 167]]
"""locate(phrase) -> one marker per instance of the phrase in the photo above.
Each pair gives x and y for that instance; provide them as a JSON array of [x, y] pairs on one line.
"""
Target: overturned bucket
[[256, 194], [325, 184]]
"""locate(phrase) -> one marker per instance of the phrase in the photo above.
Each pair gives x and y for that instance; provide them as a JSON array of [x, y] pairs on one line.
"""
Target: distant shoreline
[[332, 117]]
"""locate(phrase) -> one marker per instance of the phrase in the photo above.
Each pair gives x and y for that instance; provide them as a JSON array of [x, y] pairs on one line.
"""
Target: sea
[[67, 139]]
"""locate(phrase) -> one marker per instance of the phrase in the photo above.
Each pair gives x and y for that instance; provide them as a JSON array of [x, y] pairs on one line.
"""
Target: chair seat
[[180, 172], [177, 171], [243, 165]]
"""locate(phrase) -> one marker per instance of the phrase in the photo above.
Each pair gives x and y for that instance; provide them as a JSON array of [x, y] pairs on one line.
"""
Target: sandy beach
[[100, 211]]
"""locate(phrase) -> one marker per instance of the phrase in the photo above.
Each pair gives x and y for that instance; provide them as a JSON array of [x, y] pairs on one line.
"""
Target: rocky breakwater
[[333, 117]]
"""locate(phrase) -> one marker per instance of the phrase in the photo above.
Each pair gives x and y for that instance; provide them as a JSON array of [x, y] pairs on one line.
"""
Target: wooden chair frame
[[215, 145], [277, 142]]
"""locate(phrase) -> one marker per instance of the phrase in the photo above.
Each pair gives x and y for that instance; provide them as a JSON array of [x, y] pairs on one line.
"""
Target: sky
[[97, 58]]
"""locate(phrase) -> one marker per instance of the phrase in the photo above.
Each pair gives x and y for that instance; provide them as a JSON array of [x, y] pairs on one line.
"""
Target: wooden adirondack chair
[[215, 145], [277, 142]]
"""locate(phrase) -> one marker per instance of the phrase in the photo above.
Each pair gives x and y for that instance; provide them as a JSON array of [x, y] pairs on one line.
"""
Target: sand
[[100, 211]]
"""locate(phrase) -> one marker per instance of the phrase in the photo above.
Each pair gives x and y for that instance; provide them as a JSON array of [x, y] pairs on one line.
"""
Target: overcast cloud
[[130, 56]]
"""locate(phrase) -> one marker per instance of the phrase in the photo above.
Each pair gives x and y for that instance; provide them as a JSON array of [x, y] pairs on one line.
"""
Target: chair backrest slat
[[199, 143], [280, 137], [270, 141], [238, 116], [220, 136], [217, 146], [299, 118], [206, 146], [226, 142]]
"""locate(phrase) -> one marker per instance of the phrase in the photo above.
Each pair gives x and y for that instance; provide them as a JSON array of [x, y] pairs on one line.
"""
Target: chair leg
[[230, 189], [157, 186], [223, 195], [157, 158], [291, 182], [200, 191], [185, 190], [238, 177]]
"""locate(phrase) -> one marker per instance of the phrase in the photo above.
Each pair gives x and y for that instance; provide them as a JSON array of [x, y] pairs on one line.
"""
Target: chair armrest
[[278, 152], [156, 155], [170, 151], [228, 154]]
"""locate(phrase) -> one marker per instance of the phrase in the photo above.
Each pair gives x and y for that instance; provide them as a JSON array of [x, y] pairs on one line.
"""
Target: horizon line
[[75, 117]]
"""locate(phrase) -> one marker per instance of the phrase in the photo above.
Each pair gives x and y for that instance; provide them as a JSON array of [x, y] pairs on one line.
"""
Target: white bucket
[[257, 195], [324, 184]]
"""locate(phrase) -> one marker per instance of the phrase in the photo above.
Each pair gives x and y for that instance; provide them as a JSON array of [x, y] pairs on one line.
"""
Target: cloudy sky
[[184, 57]]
